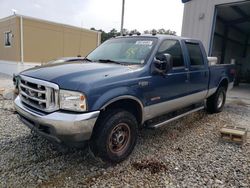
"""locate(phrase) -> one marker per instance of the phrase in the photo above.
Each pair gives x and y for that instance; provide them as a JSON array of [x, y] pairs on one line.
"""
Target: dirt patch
[[241, 103], [1, 91], [151, 165]]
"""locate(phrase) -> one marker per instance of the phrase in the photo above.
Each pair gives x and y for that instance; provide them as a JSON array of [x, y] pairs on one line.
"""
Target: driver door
[[166, 90]]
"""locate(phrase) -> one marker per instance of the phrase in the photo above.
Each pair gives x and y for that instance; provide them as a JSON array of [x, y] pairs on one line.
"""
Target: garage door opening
[[231, 37]]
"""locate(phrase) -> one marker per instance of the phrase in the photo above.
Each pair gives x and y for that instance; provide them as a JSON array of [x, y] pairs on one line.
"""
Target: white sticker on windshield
[[144, 42]]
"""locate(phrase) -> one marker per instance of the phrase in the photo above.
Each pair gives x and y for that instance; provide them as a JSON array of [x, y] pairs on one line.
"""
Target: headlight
[[72, 100]]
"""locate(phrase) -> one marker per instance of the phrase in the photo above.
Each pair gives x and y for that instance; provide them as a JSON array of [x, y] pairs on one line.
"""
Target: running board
[[175, 118]]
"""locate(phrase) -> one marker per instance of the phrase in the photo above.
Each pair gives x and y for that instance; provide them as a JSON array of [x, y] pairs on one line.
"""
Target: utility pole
[[122, 21]]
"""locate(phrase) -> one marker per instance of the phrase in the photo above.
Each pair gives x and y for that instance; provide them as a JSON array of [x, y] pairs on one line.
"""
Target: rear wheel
[[115, 136], [216, 102]]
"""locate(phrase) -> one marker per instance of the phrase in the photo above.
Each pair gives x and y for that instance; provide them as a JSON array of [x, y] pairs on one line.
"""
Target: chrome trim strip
[[51, 90], [33, 89], [175, 118], [40, 82], [33, 98], [155, 110], [27, 103]]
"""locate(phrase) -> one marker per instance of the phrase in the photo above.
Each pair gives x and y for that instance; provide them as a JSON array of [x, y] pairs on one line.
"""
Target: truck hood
[[71, 75]]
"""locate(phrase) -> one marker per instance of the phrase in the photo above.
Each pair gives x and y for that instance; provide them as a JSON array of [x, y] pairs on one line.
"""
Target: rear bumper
[[58, 126]]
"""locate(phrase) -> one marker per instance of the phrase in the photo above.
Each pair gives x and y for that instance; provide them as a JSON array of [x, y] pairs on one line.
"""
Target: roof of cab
[[159, 36]]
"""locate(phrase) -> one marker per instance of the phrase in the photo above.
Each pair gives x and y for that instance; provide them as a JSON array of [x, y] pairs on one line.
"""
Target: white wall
[[194, 26], [11, 67]]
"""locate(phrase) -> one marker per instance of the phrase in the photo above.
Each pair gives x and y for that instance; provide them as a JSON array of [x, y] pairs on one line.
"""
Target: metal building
[[27, 39], [224, 28]]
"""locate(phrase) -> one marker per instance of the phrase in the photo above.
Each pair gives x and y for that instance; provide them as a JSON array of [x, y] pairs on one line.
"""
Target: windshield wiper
[[86, 59], [108, 61]]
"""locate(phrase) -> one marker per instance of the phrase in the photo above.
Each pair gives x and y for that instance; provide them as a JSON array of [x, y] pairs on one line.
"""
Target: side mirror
[[162, 63]]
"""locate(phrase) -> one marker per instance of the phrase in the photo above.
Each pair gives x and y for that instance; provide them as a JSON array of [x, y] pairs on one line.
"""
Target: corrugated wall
[[198, 19]]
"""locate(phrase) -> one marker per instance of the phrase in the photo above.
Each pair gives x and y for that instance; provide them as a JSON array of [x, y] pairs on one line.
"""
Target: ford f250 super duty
[[123, 85]]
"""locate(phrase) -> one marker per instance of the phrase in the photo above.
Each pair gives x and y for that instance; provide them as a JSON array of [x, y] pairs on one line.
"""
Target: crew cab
[[125, 84]]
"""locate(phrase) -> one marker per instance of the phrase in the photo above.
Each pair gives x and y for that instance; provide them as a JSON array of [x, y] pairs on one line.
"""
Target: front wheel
[[216, 102], [115, 136]]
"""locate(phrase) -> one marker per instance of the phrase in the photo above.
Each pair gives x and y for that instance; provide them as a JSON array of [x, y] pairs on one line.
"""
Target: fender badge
[[143, 83], [155, 98]]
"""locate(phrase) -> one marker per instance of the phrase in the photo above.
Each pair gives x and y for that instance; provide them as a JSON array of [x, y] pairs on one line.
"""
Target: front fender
[[115, 95]]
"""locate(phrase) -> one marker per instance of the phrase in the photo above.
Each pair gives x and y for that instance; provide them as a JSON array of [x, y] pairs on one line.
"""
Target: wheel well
[[224, 83], [127, 104]]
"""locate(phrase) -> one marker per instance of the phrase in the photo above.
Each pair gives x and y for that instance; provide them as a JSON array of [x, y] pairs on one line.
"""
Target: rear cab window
[[195, 54]]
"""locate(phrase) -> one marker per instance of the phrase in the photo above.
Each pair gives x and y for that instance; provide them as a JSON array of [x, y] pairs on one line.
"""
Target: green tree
[[125, 31], [160, 31], [134, 31], [114, 33], [105, 36]]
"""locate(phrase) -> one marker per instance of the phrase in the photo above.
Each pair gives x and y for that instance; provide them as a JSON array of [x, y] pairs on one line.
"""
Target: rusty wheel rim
[[119, 138]]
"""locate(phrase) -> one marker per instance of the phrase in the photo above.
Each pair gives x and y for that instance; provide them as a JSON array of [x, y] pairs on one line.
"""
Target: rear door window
[[195, 54]]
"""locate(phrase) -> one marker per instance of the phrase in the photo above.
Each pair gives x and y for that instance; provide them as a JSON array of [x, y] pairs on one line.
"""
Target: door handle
[[205, 74], [188, 77]]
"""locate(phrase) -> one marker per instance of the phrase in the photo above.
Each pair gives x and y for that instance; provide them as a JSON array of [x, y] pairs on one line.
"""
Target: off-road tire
[[101, 144], [216, 102]]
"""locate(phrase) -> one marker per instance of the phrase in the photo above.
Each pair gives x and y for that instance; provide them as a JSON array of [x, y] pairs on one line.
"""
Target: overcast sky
[[102, 14]]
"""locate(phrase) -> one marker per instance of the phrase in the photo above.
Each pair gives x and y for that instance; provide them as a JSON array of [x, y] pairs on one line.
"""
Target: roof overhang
[[236, 16]]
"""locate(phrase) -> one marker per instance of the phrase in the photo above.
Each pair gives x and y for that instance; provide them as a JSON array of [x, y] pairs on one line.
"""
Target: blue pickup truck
[[125, 84]]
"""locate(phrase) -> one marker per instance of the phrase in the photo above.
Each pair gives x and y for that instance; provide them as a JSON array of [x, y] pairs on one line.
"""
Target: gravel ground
[[186, 153], [6, 81]]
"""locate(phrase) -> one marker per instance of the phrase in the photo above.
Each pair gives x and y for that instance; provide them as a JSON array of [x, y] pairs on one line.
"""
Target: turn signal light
[[82, 97]]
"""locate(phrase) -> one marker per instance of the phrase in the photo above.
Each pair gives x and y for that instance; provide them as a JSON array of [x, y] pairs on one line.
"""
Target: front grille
[[39, 94]]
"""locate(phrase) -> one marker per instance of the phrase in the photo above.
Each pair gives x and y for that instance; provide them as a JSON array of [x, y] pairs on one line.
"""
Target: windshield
[[124, 50]]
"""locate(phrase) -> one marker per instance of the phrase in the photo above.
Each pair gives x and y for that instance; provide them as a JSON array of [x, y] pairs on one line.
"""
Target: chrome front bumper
[[58, 126]]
